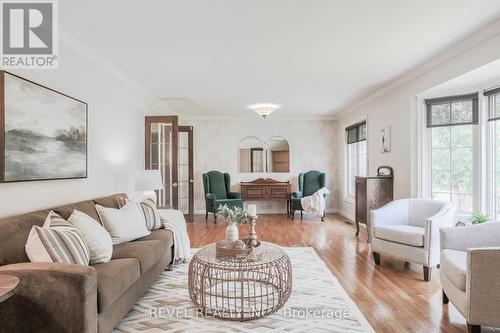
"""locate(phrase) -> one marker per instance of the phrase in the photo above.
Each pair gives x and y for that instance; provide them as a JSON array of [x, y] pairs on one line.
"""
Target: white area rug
[[317, 304]]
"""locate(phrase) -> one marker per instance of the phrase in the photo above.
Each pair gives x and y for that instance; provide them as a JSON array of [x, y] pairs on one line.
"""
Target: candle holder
[[253, 234]]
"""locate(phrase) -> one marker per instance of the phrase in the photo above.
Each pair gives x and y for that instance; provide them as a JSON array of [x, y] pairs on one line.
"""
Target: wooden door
[[161, 149]]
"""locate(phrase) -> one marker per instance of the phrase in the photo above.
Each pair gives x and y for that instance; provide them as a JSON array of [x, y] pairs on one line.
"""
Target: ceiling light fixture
[[263, 109]]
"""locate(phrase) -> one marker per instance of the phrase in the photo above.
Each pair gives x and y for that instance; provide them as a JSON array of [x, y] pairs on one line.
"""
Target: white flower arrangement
[[233, 215]]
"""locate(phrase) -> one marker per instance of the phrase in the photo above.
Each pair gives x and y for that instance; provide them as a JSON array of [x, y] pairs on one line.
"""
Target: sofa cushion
[[404, 234], [123, 224], [86, 207], [453, 265], [231, 203], [147, 252], [112, 201], [163, 235], [150, 213], [95, 236], [57, 241], [14, 231], [113, 279]]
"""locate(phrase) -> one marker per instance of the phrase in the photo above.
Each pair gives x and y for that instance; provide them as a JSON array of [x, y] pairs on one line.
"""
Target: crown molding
[[454, 51], [72, 42], [256, 117]]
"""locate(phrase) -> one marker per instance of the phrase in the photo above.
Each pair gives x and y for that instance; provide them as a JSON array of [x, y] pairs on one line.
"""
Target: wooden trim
[[251, 157], [189, 130], [3, 134], [2, 126], [148, 121]]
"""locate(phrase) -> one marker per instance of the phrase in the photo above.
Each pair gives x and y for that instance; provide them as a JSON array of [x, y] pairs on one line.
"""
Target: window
[[451, 122], [493, 96], [356, 161]]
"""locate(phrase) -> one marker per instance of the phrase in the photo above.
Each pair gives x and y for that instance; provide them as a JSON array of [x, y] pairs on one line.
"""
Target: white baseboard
[[345, 214]]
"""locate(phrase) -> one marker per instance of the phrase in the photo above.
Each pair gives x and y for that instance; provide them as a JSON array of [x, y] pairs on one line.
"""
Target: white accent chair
[[470, 273], [408, 229]]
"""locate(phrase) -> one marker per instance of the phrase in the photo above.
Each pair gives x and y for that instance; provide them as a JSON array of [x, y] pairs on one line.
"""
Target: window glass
[[452, 174]]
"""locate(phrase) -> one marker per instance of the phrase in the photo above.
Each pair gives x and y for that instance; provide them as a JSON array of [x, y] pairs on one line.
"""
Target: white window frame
[[422, 169], [348, 197], [489, 206]]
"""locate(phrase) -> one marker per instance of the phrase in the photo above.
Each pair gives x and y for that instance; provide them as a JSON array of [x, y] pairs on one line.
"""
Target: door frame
[[148, 120], [189, 130]]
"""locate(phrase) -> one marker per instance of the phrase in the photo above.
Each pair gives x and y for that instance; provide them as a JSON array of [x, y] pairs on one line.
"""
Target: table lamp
[[147, 181]]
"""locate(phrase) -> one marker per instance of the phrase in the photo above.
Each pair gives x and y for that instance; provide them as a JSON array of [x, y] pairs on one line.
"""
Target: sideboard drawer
[[278, 193], [254, 193]]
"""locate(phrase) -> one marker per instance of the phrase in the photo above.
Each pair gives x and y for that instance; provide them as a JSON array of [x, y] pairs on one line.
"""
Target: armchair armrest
[[211, 196], [444, 218], [483, 286], [297, 194], [463, 238], [433, 224], [51, 297], [234, 195]]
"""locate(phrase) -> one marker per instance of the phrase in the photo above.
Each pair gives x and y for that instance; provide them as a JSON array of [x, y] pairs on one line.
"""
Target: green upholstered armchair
[[217, 192], [309, 183]]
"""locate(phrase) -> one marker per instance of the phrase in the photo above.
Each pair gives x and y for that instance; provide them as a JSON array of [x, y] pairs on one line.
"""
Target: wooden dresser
[[371, 193], [266, 189]]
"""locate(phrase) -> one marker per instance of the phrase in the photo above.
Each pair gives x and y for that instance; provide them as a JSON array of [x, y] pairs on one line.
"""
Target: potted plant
[[233, 217], [478, 218]]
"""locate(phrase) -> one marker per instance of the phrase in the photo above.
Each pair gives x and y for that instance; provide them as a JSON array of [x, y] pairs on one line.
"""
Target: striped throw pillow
[[151, 215], [57, 241]]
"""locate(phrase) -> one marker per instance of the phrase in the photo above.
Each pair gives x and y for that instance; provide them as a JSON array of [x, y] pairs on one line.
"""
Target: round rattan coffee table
[[240, 289]]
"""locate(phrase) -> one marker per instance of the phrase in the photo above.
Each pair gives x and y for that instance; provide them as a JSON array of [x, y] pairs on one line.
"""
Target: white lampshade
[[148, 180]]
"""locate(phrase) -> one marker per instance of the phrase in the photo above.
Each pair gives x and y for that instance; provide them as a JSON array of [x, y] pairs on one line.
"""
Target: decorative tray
[[236, 249]]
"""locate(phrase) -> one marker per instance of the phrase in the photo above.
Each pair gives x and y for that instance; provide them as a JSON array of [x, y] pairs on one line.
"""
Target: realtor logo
[[29, 34]]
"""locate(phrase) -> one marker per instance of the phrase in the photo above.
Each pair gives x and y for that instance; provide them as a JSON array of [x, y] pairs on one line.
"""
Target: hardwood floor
[[393, 296]]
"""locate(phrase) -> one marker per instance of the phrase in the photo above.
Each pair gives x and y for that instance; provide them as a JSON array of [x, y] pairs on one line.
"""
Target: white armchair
[[470, 270], [408, 229]]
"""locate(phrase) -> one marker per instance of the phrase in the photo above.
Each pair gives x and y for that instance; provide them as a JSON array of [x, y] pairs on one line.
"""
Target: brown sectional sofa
[[55, 297]]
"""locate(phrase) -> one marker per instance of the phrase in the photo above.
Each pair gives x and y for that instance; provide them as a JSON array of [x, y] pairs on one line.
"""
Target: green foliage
[[72, 134], [477, 218], [235, 215]]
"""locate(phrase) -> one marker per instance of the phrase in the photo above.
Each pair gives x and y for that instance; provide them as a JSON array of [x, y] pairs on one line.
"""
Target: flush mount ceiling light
[[263, 109]]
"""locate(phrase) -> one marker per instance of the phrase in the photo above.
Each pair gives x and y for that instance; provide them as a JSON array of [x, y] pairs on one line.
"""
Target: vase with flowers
[[233, 217]]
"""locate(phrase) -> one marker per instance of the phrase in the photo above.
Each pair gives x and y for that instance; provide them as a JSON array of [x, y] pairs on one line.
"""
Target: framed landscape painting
[[43, 132]]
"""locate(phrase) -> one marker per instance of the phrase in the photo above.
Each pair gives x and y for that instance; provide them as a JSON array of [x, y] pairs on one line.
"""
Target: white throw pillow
[[57, 241], [95, 236], [124, 224]]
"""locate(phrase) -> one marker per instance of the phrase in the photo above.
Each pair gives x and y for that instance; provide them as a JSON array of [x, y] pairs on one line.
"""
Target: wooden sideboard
[[266, 189], [371, 193]]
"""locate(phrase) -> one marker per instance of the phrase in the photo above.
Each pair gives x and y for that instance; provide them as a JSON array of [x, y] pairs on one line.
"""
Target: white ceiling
[[314, 57]]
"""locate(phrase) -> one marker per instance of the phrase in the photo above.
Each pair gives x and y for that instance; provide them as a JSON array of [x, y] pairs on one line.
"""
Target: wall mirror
[[251, 154], [278, 154]]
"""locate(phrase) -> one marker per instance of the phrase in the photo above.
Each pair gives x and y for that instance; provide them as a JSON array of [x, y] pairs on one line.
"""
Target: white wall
[[394, 108], [114, 141], [312, 146]]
